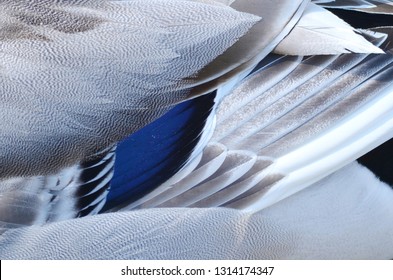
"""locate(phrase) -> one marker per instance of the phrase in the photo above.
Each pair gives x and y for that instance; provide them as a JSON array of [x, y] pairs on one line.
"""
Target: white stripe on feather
[[236, 164], [369, 6], [160, 191], [333, 106], [245, 121], [213, 157], [369, 128], [254, 177], [346, 4]]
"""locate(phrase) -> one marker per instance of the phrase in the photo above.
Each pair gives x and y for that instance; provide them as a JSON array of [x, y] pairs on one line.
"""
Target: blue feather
[[155, 153]]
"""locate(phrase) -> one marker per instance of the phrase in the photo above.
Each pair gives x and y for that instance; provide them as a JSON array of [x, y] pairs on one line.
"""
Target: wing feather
[[327, 111]]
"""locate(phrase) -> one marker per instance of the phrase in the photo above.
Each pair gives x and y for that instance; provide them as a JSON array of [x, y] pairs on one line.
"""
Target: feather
[[144, 54], [301, 227], [73, 192], [321, 32], [295, 125], [130, 105], [369, 6]]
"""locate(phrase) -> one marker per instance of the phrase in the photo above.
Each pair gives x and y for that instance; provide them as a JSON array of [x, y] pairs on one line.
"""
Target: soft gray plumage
[[78, 76], [139, 55], [325, 221]]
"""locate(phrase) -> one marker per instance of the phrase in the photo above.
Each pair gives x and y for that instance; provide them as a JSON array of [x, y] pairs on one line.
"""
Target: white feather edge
[[355, 4], [366, 128], [211, 160], [384, 7], [345, 4], [371, 126], [321, 32], [235, 165], [196, 155]]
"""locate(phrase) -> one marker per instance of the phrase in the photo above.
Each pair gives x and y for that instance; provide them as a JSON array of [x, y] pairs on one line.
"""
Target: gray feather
[[79, 76]]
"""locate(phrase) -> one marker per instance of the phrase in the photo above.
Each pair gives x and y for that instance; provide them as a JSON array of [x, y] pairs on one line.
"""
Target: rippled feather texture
[[91, 66], [194, 129], [323, 221]]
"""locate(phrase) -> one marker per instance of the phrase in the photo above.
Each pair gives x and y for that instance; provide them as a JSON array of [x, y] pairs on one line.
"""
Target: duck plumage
[[188, 118]]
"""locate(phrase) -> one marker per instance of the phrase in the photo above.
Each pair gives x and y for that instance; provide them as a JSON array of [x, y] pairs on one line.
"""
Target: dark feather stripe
[[90, 174], [89, 200], [94, 181], [88, 188], [154, 154], [380, 162], [363, 20], [87, 211]]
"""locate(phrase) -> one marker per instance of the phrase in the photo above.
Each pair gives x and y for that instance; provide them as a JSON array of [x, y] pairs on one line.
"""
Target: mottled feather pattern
[[293, 229], [228, 115], [137, 62]]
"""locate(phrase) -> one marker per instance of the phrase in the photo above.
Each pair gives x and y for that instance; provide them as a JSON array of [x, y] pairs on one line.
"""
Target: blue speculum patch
[[152, 155]]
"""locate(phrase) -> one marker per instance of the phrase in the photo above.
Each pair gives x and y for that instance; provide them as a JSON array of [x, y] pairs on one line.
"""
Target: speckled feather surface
[[79, 75], [97, 71], [278, 232]]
